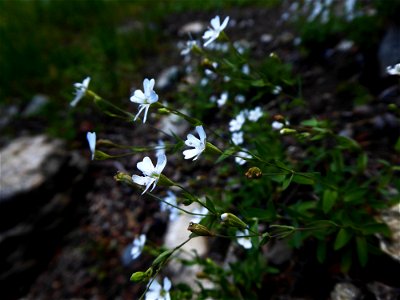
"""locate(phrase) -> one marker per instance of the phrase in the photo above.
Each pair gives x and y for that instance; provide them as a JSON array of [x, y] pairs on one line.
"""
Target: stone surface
[[26, 163], [41, 186], [345, 291]]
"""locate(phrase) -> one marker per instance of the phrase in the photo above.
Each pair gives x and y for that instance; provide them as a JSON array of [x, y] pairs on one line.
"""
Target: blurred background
[[65, 226]]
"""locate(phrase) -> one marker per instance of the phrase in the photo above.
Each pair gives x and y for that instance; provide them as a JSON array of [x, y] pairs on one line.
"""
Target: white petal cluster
[[255, 114], [137, 246], [237, 137], [216, 28], [188, 47], [91, 137], [158, 292], [80, 90], [199, 145], [395, 70], [245, 242], [151, 173], [241, 157], [222, 99], [145, 98], [237, 123]]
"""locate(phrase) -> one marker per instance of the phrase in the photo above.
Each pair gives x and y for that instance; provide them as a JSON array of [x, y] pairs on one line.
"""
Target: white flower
[[246, 69], [198, 144], [237, 138], [240, 98], [160, 148], [137, 246], [204, 81], [91, 137], [245, 242], [145, 98], [213, 32], [151, 173], [158, 292], [276, 90], [80, 90], [222, 99], [237, 123], [173, 212], [255, 114], [240, 159], [188, 47], [394, 70], [277, 125]]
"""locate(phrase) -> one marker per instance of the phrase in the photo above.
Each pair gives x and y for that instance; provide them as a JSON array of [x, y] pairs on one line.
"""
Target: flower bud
[[165, 181], [105, 143], [213, 149], [164, 111], [100, 155], [287, 131], [233, 221], [199, 229], [123, 177], [138, 276], [253, 173]]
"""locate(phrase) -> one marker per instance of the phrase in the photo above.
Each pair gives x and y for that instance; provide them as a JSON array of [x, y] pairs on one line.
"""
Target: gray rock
[[388, 52], [27, 162], [194, 27], [37, 103], [345, 291]]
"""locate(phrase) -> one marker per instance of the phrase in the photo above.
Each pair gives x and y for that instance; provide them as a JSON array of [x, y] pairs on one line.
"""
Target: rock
[[388, 52], [345, 291], [41, 185], [7, 114], [392, 218], [382, 291], [26, 163], [194, 27], [37, 103]]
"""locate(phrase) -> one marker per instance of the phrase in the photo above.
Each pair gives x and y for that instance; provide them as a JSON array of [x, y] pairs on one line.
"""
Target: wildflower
[[80, 90], [233, 221], [137, 246], [255, 114], [246, 69], [188, 47], [245, 242], [160, 148], [240, 98], [91, 137], [216, 28], [158, 292], [171, 199], [394, 70], [198, 144], [222, 99], [151, 173], [241, 157], [237, 138], [237, 123], [277, 125], [276, 90], [145, 98]]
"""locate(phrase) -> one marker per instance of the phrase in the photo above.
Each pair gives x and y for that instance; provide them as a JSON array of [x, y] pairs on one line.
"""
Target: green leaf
[[376, 228], [287, 181], [346, 262], [265, 239], [162, 257], [311, 123], [210, 205], [304, 178], [258, 83], [321, 251], [362, 250], [362, 162], [328, 200], [228, 152], [347, 143], [342, 238]]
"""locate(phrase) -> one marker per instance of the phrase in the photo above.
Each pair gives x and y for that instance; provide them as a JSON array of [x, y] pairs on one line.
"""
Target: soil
[[89, 261]]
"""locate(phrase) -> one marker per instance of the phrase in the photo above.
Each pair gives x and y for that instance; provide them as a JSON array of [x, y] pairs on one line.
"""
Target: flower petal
[[146, 166], [202, 133], [223, 25], [161, 163], [167, 284], [191, 153], [215, 22], [192, 141], [138, 97]]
